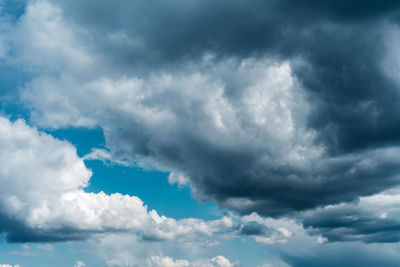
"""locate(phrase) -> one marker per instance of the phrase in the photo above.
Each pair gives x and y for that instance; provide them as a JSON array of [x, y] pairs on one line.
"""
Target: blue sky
[[199, 133]]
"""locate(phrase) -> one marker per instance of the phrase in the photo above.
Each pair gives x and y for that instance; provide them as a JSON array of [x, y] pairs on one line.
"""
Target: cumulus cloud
[[163, 261], [256, 134], [42, 197], [275, 114], [268, 230]]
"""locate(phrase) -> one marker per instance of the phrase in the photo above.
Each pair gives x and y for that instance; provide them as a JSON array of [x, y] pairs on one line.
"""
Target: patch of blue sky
[[12, 9], [12, 76], [11, 80], [151, 186]]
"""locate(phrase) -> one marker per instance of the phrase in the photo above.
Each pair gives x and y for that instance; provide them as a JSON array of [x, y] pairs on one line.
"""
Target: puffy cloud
[[212, 138], [268, 230], [215, 123], [161, 261], [36, 170], [42, 197], [289, 115]]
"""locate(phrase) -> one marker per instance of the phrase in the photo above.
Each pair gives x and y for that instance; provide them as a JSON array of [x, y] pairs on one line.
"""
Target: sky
[[201, 133]]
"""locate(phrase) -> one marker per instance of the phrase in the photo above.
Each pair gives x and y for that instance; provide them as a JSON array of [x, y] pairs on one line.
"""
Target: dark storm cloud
[[341, 41], [17, 232], [353, 226], [335, 49], [341, 10], [365, 220], [257, 229], [154, 32], [341, 44], [238, 181]]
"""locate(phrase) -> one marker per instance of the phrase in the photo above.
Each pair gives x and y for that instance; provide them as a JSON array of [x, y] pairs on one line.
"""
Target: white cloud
[[42, 183], [177, 178], [79, 264], [185, 120], [266, 104], [106, 157], [35, 170], [42, 28], [165, 261]]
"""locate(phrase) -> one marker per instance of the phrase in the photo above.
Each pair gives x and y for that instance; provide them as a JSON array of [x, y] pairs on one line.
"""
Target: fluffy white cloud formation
[[244, 131], [162, 261], [36, 170], [42, 183]]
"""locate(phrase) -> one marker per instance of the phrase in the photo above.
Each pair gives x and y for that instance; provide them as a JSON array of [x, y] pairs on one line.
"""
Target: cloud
[[370, 219], [264, 234], [106, 157], [79, 264], [216, 122], [252, 107], [158, 261], [351, 253], [43, 199], [120, 250]]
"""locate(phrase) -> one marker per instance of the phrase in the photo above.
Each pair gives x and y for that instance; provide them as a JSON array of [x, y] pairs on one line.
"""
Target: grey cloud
[[341, 10], [345, 254], [17, 231], [342, 98], [42, 197], [174, 30], [356, 102], [370, 219], [264, 234], [164, 64]]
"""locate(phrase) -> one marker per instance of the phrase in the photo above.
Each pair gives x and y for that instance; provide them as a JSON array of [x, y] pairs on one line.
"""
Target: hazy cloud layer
[[162, 261]]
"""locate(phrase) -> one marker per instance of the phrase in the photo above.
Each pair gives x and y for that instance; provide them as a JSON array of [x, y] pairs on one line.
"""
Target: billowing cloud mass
[[239, 128], [283, 109], [42, 198]]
